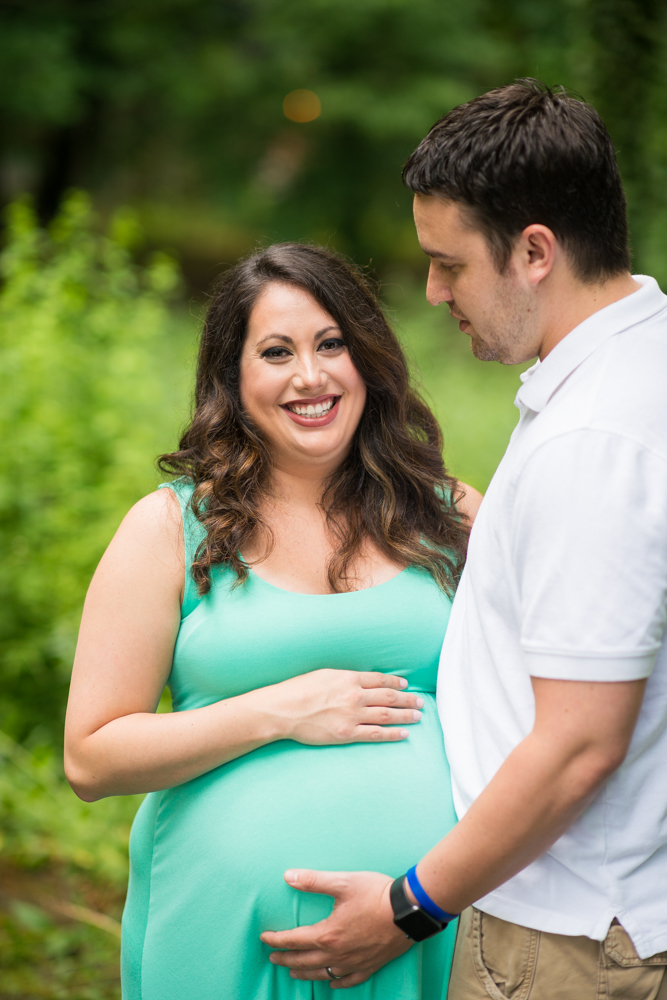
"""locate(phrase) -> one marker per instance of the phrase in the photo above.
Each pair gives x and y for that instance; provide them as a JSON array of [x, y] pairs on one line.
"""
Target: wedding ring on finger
[[330, 973]]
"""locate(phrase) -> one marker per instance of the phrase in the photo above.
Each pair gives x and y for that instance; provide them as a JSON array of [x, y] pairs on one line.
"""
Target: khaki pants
[[505, 961]]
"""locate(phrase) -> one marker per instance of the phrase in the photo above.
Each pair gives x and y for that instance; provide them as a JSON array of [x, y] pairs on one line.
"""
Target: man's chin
[[481, 350], [487, 352]]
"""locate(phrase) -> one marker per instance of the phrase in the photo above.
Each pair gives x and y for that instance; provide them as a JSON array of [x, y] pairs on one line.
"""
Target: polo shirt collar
[[542, 380]]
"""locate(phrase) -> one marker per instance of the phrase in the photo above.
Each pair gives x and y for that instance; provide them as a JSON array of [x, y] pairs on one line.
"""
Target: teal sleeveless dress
[[207, 857]]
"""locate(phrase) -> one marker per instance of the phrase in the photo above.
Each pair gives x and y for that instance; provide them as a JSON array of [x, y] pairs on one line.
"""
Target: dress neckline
[[345, 593]]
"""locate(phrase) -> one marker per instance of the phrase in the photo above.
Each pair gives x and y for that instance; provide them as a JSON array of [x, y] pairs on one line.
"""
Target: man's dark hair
[[527, 153]]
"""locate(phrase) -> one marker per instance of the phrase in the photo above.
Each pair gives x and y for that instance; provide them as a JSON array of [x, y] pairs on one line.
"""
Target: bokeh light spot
[[302, 106]]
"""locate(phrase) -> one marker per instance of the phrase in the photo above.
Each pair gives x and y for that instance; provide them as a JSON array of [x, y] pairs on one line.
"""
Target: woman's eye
[[332, 344], [275, 353]]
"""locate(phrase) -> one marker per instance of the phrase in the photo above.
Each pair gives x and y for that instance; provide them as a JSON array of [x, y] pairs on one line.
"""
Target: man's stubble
[[508, 335]]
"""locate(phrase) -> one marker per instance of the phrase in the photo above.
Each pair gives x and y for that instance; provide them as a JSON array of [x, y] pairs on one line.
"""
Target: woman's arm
[[469, 502], [115, 744]]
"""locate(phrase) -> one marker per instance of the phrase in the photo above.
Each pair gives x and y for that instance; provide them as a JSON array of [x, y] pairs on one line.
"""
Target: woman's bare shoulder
[[469, 502], [153, 527], [162, 503]]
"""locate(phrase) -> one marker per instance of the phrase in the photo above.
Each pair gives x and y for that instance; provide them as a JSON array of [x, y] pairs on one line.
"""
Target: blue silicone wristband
[[425, 900]]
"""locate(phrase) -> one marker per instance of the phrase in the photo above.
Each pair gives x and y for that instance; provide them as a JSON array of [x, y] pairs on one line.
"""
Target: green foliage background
[[80, 401], [169, 114], [175, 107]]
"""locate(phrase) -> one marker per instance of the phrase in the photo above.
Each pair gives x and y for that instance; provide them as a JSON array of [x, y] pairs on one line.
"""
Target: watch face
[[418, 925]]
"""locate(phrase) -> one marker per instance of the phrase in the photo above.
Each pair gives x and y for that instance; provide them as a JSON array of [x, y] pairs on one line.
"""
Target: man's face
[[495, 310]]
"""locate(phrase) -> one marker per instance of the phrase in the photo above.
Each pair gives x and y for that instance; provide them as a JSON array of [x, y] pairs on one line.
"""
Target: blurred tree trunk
[[626, 40], [69, 158]]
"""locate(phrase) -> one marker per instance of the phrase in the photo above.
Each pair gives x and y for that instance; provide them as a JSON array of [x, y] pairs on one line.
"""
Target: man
[[553, 678]]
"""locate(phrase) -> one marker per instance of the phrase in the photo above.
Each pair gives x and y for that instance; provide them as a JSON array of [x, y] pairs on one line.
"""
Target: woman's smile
[[315, 412]]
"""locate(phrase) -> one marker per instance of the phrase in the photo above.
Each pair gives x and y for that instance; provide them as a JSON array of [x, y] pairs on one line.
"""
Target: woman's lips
[[322, 421]]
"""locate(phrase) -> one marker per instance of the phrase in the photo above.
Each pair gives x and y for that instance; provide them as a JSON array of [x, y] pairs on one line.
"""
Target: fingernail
[[416, 716], [420, 702], [291, 877], [272, 960], [404, 734], [403, 682]]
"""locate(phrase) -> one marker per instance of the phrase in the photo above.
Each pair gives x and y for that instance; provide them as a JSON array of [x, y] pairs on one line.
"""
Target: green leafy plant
[[80, 395], [43, 823]]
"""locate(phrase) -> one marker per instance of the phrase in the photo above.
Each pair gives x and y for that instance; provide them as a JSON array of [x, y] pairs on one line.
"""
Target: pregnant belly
[[208, 857]]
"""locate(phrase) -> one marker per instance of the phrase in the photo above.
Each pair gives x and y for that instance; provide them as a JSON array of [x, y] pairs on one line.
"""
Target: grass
[[63, 863]]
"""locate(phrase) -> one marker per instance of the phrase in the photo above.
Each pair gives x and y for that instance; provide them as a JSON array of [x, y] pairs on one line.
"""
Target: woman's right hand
[[330, 706]]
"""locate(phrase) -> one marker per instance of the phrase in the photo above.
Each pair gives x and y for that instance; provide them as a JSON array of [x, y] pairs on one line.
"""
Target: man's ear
[[536, 249]]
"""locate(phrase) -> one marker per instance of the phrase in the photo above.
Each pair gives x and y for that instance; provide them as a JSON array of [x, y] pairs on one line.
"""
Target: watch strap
[[399, 898], [409, 917]]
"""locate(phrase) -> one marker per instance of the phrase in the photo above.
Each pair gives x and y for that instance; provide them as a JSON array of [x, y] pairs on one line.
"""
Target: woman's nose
[[309, 374]]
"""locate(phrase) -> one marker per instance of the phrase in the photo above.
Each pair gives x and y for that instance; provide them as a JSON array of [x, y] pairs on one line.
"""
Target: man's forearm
[[529, 803], [539, 791], [519, 815]]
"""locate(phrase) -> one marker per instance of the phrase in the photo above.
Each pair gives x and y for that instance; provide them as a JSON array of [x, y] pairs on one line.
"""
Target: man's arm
[[581, 734]]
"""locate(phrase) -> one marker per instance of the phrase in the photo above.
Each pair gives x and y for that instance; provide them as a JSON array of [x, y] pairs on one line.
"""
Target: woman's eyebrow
[[275, 336], [289, 340]]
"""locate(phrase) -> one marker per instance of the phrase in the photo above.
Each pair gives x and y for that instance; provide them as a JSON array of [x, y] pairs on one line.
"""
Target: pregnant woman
[[292, 587]]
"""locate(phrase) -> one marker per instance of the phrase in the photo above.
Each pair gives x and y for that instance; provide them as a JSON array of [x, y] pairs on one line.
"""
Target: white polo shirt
[[567, 578]]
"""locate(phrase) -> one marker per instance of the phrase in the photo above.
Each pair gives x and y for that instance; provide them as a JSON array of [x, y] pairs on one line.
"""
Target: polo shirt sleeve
[[589, 549]]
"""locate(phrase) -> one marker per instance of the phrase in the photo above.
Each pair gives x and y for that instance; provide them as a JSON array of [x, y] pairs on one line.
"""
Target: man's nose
[[437, 287]]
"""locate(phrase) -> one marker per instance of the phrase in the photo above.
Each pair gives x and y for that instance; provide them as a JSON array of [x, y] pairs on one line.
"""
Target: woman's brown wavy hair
[[392, 488]]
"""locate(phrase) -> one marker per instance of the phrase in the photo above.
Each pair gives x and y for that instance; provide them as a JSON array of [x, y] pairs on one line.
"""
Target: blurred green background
[[144, 146]]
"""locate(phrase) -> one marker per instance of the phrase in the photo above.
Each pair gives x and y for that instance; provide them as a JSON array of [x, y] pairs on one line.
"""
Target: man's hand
[[356, 940]]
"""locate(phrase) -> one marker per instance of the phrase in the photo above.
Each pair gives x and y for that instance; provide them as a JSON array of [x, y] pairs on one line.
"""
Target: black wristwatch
[[414, 921]]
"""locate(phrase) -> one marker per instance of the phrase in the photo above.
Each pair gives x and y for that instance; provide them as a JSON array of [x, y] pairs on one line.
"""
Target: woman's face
[[298, 383]]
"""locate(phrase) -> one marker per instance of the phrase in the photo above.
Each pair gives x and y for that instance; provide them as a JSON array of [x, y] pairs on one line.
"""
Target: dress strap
[[194, 534]]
